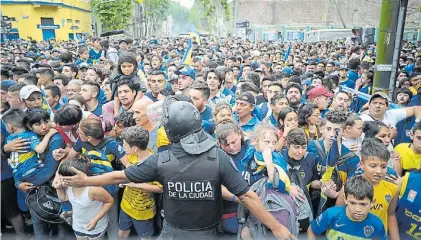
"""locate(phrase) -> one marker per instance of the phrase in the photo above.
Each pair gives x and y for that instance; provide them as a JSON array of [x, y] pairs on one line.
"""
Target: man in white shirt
[[377, 110]]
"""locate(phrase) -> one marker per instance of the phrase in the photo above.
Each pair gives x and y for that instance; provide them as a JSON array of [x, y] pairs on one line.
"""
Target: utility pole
[[388, 45]]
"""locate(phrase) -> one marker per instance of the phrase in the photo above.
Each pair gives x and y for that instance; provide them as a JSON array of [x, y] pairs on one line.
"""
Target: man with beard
[[156, 83], [126, 92], [293, 92], [186, 76], [321, 97], [341, 101]]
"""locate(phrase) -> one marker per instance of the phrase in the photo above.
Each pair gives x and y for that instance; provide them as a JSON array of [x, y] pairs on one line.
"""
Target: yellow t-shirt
[[162, 139], [384, 192], [409, 158], [136, 203]]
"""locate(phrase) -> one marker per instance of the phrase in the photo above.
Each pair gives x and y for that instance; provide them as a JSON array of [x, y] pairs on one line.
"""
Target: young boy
[[353, 221], [83, 56], [53, 95], [353, 130], [365, 83], [137, 204], [374, 158], [90, 205], [25, 164]]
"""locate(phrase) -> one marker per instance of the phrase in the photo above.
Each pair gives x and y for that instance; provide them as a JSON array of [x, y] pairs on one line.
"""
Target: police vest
[[192, 190]]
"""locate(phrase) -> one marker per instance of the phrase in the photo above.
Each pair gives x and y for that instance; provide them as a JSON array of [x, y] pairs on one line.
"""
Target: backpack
[[117, 165], [43, 201], [280, 206]]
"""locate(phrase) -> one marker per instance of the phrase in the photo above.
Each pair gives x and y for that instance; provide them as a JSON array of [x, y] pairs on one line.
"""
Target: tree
[[113, 15], [216, 14], [155, 12], [180, 16]]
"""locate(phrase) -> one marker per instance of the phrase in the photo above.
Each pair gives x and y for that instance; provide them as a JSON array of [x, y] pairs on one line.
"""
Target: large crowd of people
[[324, 160]]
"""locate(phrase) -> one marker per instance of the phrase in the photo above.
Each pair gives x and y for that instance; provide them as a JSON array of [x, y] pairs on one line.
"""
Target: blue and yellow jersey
[[346, 169], [408, 211], [280, 165], [338, 226], [384, 192], [101, 158], [136, 203], [409, 158], [23, 162]]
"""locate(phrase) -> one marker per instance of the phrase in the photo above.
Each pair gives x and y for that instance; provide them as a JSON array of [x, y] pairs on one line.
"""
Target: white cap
[[26, 91]]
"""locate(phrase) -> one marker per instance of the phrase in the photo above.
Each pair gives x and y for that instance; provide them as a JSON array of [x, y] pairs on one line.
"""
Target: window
[[69, 21], [47, 21], [77, 21]]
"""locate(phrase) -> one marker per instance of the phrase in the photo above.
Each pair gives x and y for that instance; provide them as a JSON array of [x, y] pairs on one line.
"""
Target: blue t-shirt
[[98, 110], [101, 158], [348, 83], [101, 97], [24, 163], [80, 61], [57, 107], [207, 114], [151, 96], [352, 75], [234, 88], [337, 225], [95, 55], [366, 89], [264, 109], [250, 126]]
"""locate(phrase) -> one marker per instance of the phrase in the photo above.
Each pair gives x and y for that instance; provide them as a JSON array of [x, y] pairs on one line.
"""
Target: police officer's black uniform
[[191, 172]]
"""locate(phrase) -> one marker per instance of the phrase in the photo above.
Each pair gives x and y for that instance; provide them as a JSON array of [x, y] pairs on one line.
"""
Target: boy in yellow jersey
[[138, 203], [374, 158], [410, 153]]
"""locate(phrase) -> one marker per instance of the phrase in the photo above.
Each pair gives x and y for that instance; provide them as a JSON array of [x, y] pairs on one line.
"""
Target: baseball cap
[[6, 84], [343, 67], [380, 95], [319, 91], [26, 91], [246, 97], [187, 71], [83, 65]]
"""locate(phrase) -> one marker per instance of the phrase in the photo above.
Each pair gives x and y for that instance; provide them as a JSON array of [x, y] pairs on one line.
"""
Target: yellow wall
[[28, 15]]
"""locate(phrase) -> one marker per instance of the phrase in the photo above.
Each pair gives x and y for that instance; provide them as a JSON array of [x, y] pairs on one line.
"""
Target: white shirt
[[391, 117]]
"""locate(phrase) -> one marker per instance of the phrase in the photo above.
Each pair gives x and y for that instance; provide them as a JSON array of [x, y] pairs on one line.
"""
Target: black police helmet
[[181, 119]]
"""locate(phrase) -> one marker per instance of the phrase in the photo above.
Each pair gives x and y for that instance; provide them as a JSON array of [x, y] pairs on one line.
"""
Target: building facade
[[48, 19]]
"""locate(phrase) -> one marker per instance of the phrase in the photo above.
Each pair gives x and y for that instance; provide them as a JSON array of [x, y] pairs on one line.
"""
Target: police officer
[[191, 171]]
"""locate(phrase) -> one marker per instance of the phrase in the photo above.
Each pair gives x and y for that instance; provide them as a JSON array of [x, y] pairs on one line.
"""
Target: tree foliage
[[113, 15], [155, 12], [156, 8]]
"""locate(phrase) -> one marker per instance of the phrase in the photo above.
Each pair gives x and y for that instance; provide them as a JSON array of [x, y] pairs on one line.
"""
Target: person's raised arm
[[391, 218], [81, 179], [40, 148]]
